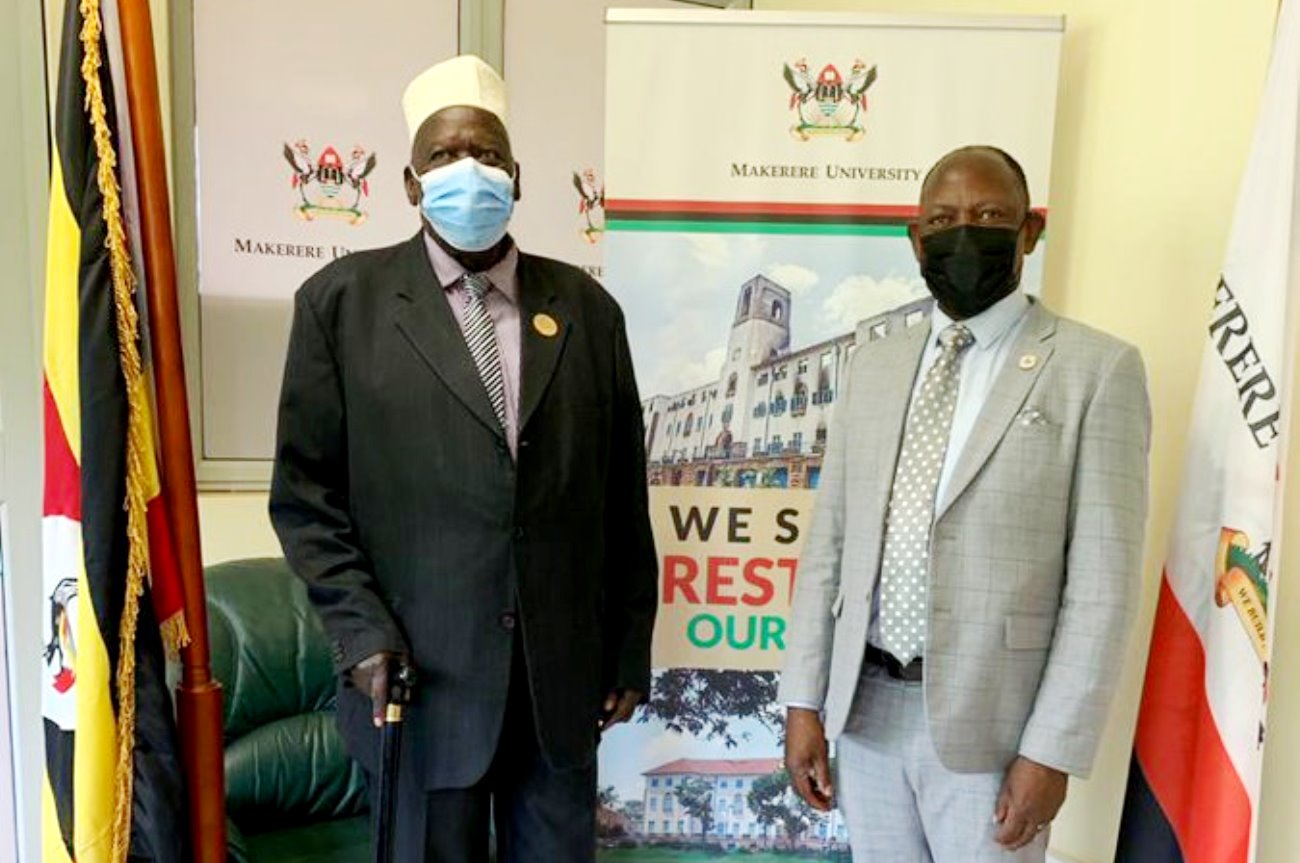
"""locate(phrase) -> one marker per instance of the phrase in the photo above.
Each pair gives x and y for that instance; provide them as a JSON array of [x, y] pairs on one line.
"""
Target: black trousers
[[541, 815]]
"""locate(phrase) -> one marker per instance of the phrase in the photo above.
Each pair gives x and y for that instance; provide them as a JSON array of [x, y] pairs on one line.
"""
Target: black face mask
[[970, 267]]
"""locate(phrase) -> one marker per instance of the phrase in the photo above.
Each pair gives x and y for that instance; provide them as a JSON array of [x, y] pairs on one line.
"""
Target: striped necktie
[[905, 562], [481, 339]]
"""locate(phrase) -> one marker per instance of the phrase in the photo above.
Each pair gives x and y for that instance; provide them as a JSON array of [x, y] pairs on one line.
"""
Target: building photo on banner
[[755, 236], [299, 149]]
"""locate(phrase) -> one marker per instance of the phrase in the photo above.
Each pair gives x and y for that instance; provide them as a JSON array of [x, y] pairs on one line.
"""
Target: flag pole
[[198, 695]]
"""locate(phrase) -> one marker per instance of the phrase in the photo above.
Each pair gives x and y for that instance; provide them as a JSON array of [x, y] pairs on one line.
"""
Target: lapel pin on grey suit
[[1033, 417]]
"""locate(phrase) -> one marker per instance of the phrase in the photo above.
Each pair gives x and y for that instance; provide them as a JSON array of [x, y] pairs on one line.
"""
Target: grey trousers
[[900, 803]]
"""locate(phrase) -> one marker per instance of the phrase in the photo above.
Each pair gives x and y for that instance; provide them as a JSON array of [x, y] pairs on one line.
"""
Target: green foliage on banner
[[773, 801], [706, 702], [696, 797]]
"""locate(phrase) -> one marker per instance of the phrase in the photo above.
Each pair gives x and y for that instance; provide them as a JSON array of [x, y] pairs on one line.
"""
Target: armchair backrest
[[285, 761]]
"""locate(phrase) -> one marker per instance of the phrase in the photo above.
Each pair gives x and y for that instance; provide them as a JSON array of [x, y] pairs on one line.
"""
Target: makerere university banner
[[760, 172]]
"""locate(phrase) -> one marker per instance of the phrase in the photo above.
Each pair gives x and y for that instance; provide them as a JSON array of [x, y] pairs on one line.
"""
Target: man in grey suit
[[970, 575]]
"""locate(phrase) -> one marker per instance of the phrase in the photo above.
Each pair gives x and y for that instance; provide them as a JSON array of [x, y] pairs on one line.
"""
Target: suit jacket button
[[508, 621], [519, 532]]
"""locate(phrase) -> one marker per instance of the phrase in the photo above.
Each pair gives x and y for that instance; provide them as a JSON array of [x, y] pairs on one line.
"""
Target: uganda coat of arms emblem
[[327, 186], [827, 103]]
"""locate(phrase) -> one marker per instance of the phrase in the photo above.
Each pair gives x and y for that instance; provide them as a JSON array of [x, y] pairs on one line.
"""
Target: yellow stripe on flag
[[152, 480], [62, 261], [95, 760], [52, 848]]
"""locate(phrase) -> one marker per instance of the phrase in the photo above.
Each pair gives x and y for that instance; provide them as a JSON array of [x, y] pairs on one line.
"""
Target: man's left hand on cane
[[1031, 796]]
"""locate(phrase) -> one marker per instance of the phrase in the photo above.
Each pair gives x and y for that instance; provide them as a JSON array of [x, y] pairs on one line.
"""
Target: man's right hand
[[370, 676], [807, 758]]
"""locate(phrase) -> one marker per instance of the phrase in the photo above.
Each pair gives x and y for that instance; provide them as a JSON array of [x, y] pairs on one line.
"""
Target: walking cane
[[401, 680]]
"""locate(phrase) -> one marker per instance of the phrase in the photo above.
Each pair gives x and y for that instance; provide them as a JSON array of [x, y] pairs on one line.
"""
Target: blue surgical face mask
[[468, 203]]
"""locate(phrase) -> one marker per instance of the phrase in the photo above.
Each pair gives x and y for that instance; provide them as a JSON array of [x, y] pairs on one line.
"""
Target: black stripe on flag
[[1145, 835]]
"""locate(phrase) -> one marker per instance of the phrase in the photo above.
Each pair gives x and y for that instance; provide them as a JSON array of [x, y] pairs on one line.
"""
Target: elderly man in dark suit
[[460, 480]]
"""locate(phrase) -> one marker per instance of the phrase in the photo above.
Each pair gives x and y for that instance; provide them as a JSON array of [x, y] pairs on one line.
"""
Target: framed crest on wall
[[291, 130]]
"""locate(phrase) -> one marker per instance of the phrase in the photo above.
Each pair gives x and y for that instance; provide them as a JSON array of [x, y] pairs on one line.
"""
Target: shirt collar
[[449, 271], [989, 326]]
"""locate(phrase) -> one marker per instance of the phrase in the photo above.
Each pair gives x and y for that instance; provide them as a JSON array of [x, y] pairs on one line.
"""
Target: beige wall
[[1157, 104], [1158, 99], [1156, 109], [234, 525]]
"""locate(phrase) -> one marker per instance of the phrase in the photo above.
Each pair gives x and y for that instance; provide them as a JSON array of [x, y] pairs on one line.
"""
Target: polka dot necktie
[[904, 567], [481, 338]]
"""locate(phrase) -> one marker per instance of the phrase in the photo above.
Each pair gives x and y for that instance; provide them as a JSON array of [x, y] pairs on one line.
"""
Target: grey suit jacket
[[1035, 552]]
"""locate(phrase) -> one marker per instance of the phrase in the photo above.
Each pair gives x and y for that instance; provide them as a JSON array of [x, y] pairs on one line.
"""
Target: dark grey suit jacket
[[396, 500]]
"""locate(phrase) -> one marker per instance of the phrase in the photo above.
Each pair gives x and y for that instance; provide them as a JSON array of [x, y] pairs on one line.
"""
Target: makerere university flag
[[1193, 786]]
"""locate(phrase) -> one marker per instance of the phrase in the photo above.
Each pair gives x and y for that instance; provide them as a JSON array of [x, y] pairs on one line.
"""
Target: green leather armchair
[[292, 793]]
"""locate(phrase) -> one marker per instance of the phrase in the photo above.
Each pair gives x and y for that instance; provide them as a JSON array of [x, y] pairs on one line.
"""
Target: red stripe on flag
[[62, 473], [164, 569], [768, 208], [1179, 746]]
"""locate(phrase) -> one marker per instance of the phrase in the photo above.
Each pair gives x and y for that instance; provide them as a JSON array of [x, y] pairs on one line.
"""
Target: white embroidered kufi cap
[[463, 80]]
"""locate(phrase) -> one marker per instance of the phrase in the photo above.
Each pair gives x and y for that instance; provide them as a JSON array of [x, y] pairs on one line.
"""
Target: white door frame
[[24, 148]]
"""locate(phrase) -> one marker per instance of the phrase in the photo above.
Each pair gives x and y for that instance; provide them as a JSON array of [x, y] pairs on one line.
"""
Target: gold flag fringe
[[128, 333], [175, 634]]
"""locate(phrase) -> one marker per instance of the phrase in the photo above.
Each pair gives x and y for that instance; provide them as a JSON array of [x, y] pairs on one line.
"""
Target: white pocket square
[[1033, 417]]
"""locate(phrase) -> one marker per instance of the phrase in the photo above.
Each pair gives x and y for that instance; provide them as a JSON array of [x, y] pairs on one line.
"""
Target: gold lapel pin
[[545, 325], [1028, 361]]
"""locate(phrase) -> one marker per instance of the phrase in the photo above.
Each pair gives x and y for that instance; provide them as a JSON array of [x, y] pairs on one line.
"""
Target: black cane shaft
[[389, 754]]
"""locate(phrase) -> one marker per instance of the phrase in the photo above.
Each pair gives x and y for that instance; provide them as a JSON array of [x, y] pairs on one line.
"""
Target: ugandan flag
[[113, 789]]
